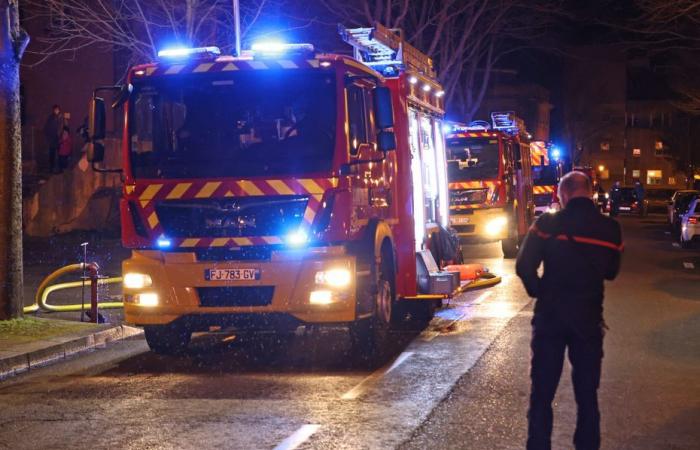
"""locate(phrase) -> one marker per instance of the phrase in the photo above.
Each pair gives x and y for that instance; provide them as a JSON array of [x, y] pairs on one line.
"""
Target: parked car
[[690, 226], [679, 201], [628, 202], [658, 199]]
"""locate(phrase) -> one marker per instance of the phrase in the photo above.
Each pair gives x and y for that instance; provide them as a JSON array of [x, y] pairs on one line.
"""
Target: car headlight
[[334, 277], [133, 280], [495, 226]]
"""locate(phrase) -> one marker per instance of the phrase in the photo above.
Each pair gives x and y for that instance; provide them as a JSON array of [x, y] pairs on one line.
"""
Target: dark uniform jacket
[[580, 248]]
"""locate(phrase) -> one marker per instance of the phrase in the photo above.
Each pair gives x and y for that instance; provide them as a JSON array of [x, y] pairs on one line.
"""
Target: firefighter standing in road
[[615, 199], [580, 248]]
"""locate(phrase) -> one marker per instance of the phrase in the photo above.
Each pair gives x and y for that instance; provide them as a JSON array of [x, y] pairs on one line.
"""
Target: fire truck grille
[[232, 217], [543, 199], [235, 296], [468, 197]]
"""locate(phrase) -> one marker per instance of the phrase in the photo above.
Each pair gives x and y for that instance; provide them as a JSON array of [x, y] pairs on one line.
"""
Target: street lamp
[[601, 168]]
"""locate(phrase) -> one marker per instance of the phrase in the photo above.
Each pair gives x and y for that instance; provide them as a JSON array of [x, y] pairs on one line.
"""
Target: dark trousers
[[550, 338], [53, 154]]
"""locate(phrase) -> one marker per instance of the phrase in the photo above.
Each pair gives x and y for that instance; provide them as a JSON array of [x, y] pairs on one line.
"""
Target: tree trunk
[[12, 43]]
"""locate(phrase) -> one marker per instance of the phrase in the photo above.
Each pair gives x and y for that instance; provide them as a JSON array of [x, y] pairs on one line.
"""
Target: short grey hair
[[575, 182]]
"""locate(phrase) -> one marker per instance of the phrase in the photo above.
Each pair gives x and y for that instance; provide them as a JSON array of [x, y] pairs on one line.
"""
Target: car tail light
[[693, 220]]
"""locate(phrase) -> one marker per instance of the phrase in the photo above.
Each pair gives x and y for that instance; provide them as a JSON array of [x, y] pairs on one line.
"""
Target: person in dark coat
[[615, 199], [580, 249], [52, 132]]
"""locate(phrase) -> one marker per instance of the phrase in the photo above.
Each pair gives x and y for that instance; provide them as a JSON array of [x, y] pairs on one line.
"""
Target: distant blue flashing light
[[164, 243], [185, 52], [555, 153], [275, 48]]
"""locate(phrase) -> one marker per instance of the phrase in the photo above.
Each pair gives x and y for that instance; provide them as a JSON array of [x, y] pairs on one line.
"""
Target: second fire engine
[[490, 182]]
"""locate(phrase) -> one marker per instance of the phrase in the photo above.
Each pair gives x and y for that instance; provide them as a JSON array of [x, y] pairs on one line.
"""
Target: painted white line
[[362, 386], [676, 244], [482, 297], [667, 232], [688, 265], [298, 437]]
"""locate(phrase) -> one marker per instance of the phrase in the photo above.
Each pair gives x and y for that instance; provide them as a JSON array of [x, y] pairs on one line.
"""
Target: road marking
[[358, 390], [676, 244], [298, 437], [667, 232], [688, 265]]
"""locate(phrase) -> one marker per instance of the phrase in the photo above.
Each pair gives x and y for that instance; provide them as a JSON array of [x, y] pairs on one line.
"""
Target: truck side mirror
[[383, 109], [386, 141], [96, 130]]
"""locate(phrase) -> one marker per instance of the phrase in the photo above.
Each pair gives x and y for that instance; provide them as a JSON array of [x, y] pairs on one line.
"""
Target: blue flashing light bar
[[297, 238], [185, 52], [274, 48]]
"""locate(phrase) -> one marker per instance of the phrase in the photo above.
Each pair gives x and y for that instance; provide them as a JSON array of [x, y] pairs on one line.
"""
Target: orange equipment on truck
[[546, 172], [490, 182], [282, 188]]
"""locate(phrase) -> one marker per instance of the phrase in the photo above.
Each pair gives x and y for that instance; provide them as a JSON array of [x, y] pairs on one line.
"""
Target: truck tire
[[510, 247], [170, 339], [370, 337]]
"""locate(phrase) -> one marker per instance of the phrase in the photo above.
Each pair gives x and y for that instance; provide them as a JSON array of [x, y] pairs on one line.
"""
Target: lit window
[[637, 152], [654, 177], [605, 146]]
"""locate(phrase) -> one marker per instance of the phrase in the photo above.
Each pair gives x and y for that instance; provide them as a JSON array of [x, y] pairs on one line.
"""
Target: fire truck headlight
[[321, 297], [133, 280], [148, 299], [496, 226], [334, 277], [297, 238]]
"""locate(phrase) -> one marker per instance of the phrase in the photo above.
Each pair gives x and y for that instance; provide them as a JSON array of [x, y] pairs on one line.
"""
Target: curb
[[17, 364]]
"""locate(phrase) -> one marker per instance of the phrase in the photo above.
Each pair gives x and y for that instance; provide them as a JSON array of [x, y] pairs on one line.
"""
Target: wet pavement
[[460, 383]]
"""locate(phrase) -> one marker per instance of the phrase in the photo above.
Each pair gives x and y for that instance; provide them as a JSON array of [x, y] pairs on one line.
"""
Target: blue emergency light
[[186, 52], [275, 48], [555, 153], [164, 242]]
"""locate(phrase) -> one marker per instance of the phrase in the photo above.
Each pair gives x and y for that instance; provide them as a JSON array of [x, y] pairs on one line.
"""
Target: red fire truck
[[281, 188], [490, 182]]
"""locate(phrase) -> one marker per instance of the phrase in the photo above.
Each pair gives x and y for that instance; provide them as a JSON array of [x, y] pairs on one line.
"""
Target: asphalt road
[[460, 383]]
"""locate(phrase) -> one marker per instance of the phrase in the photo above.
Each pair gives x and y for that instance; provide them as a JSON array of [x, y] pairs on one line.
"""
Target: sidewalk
[[33, 342]]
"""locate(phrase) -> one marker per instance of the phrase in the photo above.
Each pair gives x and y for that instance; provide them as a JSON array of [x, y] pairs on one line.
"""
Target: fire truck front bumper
[[480, 225], [301, 286]]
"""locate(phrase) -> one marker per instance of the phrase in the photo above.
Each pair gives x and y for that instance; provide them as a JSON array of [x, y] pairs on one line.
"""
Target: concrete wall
[[77, 199]]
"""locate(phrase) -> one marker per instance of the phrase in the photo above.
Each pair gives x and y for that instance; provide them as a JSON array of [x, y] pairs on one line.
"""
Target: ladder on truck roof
[[386, 51], [508, 122]]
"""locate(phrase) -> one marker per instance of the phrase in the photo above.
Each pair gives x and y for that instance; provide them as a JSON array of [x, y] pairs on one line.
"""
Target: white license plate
[[231, 274], [625, 208], [460, 220]]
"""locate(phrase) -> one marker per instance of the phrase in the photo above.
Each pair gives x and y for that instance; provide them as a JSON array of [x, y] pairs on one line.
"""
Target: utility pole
[[13, 42], [237, 26]]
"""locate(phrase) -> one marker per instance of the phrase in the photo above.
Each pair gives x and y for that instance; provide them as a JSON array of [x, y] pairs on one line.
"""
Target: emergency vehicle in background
[[546, 172], [490, 181], [282, 188]]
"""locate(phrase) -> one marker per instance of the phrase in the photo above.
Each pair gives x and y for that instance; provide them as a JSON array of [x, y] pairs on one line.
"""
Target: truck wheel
[[370, 337], [171, 339], [510, 247]]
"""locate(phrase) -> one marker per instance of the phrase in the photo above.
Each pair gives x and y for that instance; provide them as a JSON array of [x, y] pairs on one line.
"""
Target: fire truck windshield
[[472, 159], [544, 175], [251, 123]]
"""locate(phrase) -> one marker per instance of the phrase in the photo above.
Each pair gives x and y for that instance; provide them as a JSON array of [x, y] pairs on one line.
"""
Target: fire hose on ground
[[92, 280]]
